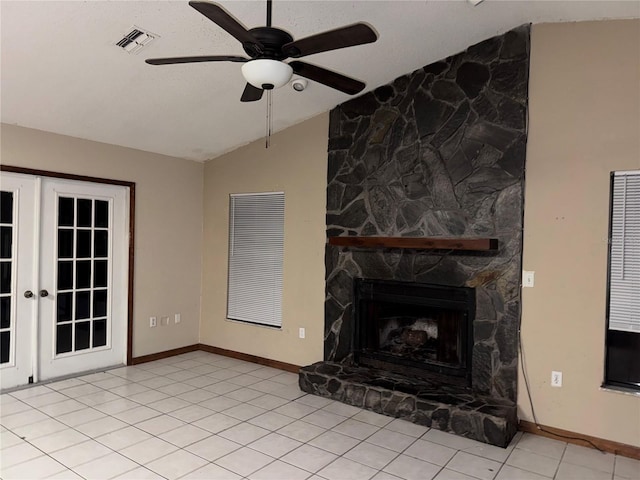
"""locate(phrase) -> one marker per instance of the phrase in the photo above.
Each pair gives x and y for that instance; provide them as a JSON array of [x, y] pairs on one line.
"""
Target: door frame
[[132, 204]]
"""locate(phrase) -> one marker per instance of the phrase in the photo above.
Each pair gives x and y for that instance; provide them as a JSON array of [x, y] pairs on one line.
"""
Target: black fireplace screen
[[415, 329]]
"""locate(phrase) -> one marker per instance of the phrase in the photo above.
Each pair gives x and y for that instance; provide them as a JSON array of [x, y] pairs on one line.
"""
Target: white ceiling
[[61, 71]]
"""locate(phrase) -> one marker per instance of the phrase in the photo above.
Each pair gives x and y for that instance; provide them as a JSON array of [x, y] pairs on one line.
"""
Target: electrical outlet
[[177, 318], [528, 278], [164, 321], [301, 332], [556, 379], [153, 322]]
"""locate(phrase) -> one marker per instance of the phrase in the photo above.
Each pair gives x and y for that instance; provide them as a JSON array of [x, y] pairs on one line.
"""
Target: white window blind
[[256, 246], [624, 271]]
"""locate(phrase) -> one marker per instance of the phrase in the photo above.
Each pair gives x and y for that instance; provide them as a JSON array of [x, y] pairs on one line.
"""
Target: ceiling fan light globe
[[263, 72]]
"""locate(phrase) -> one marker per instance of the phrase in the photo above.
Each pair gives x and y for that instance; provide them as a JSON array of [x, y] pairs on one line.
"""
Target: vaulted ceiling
[[62, 72]]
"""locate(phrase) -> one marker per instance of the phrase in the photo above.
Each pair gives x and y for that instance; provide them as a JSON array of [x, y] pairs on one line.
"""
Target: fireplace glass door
[[414, 329], [415, 332]]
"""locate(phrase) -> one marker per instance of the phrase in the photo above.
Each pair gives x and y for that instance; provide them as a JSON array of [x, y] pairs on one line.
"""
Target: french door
[[64, 268]]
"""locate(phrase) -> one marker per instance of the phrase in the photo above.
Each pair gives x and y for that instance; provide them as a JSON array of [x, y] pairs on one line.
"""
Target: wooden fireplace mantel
[[431, 243]]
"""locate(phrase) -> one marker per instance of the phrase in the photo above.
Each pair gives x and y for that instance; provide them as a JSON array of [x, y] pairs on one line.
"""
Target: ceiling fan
[[268, 47]]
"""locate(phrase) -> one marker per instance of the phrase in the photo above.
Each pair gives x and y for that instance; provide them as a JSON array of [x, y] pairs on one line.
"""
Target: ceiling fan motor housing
[[272, 40], [266, 70]]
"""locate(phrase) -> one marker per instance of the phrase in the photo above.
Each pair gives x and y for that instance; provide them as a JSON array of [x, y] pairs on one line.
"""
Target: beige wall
[[168, 223], [295, 163], [584, 100]]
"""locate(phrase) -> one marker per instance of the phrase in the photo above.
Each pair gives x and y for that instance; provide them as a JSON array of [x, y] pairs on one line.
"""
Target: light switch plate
[[528, 277]]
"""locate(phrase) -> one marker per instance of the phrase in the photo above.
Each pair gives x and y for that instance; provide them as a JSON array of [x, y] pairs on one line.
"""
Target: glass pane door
[[7, 235], [83, 263], [84, 270], [63, 277], [18, 294]]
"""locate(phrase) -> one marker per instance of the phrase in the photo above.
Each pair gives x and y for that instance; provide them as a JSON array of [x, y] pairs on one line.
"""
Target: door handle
[[44, 293], [28, 294]]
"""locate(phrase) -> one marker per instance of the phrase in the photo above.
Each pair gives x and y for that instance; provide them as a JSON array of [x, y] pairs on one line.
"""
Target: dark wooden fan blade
[[203, 58], [327, 77], [349, 36], [251, 93], [224, 20]]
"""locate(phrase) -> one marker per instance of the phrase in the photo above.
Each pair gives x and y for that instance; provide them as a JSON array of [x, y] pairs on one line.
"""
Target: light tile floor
[[204, 416]]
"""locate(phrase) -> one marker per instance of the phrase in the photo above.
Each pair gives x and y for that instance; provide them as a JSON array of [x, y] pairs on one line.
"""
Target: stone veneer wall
[[438, 152]]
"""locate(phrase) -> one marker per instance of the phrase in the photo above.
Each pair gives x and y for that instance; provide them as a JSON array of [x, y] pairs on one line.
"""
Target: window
[[623, 306], [256, 240]]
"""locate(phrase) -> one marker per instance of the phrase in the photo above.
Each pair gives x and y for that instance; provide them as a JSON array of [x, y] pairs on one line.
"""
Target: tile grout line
[[168, 413], [80, 432], [564, 451], [136, 376], [73, 427], [42, 451], [190, 423]]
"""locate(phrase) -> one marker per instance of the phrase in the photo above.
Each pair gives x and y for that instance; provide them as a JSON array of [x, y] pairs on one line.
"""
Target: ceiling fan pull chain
[[267, 139], [270, 115]]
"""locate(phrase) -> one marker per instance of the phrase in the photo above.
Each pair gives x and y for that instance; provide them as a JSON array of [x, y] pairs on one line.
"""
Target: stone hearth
[[438, 152], [452, 409]]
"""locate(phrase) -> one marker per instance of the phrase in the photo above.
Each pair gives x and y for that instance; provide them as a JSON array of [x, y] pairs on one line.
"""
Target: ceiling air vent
[[135, 40]]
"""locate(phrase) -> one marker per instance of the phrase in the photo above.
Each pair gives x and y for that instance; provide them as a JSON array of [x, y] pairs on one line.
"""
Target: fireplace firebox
[[415, 329]]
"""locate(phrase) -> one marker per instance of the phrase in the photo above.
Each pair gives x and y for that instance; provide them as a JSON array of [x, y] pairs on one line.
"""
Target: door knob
[[28, 294], [44, 293]]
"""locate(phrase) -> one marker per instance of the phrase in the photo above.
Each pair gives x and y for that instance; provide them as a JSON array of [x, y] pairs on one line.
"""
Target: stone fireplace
[[414, 329], [439, 152]]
